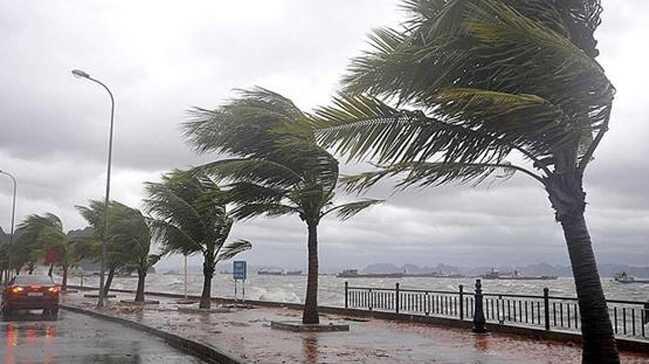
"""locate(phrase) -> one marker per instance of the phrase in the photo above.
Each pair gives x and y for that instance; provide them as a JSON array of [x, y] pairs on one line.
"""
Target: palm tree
[[43, 236], [129, 230], [190, 217], [277, 167], [475, 85], [118, 253]]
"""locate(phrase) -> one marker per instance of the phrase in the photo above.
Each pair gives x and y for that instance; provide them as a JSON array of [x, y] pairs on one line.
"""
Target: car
[[31, 292]]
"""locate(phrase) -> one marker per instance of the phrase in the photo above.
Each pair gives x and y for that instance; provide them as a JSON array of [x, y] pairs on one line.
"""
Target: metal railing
[[550, 313]]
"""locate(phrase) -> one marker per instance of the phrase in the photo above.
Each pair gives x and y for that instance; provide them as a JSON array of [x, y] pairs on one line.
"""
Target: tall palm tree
[[474, 85], [277, 168], [190, 217], [43, 236]]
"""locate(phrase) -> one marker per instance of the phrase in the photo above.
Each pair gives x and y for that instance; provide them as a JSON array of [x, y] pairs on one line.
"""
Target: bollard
[[546, 306], [478, 316], [461, 302], [396, 298]]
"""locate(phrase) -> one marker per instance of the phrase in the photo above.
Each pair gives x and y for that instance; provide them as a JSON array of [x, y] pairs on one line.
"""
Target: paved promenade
[[246, 334]]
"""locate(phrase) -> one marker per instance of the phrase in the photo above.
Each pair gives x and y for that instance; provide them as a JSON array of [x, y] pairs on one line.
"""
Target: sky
[[160, 58]]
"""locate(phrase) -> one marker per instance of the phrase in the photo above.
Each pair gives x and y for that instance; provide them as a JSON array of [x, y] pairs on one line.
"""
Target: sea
[[291, 289]]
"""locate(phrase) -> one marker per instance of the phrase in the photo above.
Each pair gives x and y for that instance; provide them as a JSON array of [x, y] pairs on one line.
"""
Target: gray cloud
[[162, 58]]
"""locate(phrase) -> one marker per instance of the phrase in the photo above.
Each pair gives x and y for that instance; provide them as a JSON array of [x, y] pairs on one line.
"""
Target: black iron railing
[[551, 313]]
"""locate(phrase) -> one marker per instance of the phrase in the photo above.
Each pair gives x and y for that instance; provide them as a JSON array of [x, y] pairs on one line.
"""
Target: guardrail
[[550, 313]]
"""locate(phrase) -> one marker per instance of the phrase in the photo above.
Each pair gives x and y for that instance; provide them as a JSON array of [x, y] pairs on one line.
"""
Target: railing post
[[546, 305], [396, 298], [346, 293], [461, 302], [369, 299], [478, 316], [646, 314]]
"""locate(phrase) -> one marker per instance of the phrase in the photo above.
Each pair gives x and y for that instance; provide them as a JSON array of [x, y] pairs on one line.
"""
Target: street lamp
[[82, 74], [13, 219]]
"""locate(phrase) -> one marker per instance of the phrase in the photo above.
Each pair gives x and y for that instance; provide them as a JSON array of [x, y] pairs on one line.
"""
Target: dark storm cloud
[[160, 58]]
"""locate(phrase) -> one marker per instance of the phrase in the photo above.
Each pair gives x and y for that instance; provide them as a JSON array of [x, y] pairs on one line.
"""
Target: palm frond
[[349, 210], [247, 211], [243, 126], [363, 127], [173, 238], [260, 171], [425, 174], [232, 249]]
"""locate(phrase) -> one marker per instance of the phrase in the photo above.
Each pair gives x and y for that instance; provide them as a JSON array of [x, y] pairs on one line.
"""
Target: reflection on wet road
[[76, 338]]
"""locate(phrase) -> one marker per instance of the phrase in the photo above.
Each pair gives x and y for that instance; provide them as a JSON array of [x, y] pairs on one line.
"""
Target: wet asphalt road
[[76, 338]]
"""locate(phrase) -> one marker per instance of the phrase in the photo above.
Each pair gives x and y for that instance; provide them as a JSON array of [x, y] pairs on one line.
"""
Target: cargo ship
[[625, 278], [270, 272], [515, 276]]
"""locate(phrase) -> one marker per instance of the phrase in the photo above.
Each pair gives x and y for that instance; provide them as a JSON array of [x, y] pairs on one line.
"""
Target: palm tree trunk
[[109, 281], [208, 273], [598, 338], [310, 315], [64, 280], [141, 276]]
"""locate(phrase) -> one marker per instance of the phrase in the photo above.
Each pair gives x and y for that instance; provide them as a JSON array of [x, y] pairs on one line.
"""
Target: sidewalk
[[246, 334]]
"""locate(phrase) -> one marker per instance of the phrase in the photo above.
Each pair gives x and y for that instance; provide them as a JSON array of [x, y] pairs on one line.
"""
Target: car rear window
[[28, 280]]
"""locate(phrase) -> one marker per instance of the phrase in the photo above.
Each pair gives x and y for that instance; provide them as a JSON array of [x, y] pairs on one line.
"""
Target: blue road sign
[[239, 270]]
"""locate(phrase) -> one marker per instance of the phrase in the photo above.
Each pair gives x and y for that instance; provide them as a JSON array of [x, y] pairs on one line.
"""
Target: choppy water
[[331, 289]]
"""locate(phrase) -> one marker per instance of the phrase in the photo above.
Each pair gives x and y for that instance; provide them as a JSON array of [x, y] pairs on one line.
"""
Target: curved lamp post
[[13, 219], [82, 74]]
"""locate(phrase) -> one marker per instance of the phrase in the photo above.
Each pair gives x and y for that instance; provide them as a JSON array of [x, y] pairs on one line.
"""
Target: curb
[[202, 351]]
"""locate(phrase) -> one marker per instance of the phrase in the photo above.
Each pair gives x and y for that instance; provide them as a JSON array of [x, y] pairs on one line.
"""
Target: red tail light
[[16, 290], [53, 290]]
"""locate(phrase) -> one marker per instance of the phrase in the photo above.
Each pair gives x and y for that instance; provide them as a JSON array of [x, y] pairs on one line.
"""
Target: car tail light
[[53, 290], [17, 290]]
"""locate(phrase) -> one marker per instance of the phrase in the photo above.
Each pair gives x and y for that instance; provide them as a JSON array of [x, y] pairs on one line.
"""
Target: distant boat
[[270, 272], [625, 278], [515, 276], [294, 273]]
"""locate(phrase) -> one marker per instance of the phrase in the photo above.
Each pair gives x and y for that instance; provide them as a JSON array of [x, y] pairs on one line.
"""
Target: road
[[77, 338]]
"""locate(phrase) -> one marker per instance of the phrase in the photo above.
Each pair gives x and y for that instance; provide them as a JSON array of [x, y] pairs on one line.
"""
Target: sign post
[[240, 273]]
